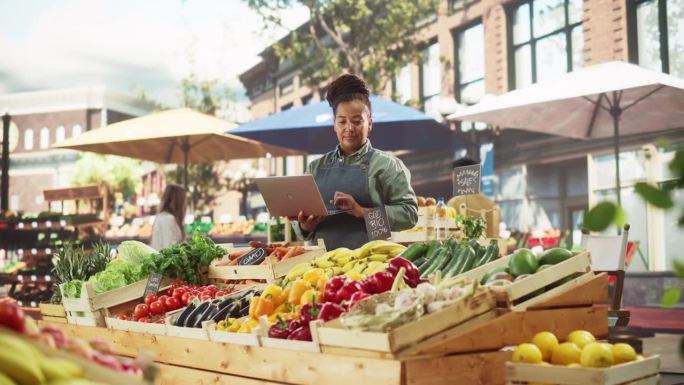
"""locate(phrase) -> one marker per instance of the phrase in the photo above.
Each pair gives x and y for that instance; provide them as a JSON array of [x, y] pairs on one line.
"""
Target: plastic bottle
[[440, 220]]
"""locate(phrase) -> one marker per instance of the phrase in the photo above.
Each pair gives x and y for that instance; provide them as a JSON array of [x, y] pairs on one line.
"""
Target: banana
[[22, 370], [344, 261], [374, 267], [56, 369], [378, 257], [336, 271], [20, 347], [388, 248], [342, 253], [360, 266], [298, 270], [348, 266], [329, 271], [4, 380], [324, 264]]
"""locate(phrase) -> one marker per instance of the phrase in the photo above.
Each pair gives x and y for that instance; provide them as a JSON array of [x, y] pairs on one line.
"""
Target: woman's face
[[352, 125]]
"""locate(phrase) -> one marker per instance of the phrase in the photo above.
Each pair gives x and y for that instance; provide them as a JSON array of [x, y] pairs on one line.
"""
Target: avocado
[[490, 273], [554, 256], [523, 261]]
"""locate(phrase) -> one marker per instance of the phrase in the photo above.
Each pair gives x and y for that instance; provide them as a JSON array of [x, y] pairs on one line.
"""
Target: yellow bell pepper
[[298, 288], [283, 308], [313, 276], [354, 276], [259, 306], [231, 326], [309, 296], [248, 326], [274, 292]]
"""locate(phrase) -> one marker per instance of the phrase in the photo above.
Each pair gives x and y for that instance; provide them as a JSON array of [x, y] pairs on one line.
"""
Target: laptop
[[286, 196]]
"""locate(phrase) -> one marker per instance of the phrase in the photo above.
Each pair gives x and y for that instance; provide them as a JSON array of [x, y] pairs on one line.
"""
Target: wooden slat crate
[[636, 372], [302, 346], [270, 271], [251, 339], [179, 331], [333, 333], [90, 301], [86, 318], [53, 313]]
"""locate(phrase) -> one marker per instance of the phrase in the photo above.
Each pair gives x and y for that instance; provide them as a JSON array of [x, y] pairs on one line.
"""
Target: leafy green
[[654, 195], [72, 289], [671, 297], [473, 226], [134, 251], [107, 280], [184, 260], [602, 215]]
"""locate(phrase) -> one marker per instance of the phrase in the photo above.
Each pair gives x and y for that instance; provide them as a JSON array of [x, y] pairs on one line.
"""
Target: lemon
[[580, 338], [623, 353], [566, 353], [546, 342], [528, 353], [596, 355]]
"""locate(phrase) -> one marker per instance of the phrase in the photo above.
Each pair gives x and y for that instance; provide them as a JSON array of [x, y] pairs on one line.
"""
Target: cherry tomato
[[123, 316], [149, 299], [172, 303], [144, 320], [141, 310], [156, 308]]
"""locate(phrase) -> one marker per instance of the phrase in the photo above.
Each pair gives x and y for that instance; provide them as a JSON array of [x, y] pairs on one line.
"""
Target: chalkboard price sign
[[254, 257], [377, 224], [467, 179], [153, 283]]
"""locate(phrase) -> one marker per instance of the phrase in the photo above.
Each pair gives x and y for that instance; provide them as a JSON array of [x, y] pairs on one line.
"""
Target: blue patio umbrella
[[310, 128]]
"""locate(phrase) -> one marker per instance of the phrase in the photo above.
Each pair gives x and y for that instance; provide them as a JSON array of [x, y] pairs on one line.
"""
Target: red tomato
[[211, 288], [141, 310], [157, 308], [184, 298], [205, 297], [172, 303], [149, 299], [196, 292], [160, 321], [190, 299], [220, 293], [123, 316], [144, 320], [162, 299], [171, 290], [178, 294]]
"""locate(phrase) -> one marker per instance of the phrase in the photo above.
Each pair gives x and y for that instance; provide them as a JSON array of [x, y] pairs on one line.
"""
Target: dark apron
[[344, 230]]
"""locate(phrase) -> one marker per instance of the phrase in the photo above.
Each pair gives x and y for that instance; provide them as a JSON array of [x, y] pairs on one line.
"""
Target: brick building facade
[[43, 118]]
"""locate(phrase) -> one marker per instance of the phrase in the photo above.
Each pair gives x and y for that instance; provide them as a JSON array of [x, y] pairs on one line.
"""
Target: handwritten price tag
[[153, 284], [377, 224], [467, 179]]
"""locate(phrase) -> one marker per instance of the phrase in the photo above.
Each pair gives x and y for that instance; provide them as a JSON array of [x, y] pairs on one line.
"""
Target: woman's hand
[[308, 223], [345, 201]]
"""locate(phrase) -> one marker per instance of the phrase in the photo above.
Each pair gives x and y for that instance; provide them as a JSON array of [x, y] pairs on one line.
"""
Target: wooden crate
[[302, 346], [86, 318], [52, 310], [178, 331], [333, 333], [251, 339], [270, 271], [90, 302], [636, 372]]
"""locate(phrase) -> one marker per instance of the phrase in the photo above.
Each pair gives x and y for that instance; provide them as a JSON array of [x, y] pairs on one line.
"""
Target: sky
[[130, 44]]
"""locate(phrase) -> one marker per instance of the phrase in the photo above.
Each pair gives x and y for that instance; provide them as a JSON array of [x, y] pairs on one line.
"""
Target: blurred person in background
[[168, 226]]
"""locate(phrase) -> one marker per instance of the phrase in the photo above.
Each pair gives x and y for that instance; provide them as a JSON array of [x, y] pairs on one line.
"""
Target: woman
[[355, 176], [168, 226]]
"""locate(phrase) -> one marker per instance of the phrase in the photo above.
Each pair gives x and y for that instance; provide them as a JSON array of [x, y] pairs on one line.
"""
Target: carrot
[[237, 255], [255, 244], [233, 262], [290, 253]]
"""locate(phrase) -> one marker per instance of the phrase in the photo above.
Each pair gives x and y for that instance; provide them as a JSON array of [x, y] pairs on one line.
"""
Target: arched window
[[60, 134], [28, 139], [76, 131], [44, 137]]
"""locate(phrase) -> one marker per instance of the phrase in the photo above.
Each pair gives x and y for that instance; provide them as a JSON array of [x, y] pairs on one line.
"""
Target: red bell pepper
[[346, 292], [358, 296], [333, 285], [282, 329], [303, 333], [11, 316], [412, 272], [330, 311], [309, 312], [379, 282]]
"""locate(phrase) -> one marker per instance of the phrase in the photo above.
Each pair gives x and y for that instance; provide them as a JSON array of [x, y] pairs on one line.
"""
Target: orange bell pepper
[[259, 306]]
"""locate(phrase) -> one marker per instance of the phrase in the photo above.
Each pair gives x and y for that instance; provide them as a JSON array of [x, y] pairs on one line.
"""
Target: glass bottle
[[440, 220]]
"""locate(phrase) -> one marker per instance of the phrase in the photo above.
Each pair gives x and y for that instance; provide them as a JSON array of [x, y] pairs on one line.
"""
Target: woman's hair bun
[[345, 88]]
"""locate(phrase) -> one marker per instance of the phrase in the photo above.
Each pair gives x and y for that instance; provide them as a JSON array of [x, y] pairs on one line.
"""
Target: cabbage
[[107, 280], [72, 289], [133, 251]]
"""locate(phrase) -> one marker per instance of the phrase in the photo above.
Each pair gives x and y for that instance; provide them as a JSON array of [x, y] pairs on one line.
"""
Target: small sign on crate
[[467, 179], [153, 283], [377, 224]]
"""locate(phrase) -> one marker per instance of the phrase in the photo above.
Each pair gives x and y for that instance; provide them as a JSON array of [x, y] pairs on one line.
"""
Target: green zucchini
[[414, 251], [461, 253], [428, 261], [469, 260], [437, 262], [419, 261], [432, 248], [491, 254]]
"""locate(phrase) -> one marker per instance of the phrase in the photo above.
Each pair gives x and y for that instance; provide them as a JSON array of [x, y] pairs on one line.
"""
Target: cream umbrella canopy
[[603, 100], [178, 136]]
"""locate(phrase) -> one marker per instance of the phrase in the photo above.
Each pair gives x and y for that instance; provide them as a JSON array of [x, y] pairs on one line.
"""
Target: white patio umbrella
[[599, 101]]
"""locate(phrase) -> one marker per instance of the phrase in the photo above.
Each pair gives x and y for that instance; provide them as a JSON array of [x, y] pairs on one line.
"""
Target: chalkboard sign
[[377, 224], [254, 257], [153, 283], [467, 179]]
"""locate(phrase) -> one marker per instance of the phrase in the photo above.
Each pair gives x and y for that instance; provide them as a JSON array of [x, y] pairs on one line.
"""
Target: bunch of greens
[[73, 263], [184, 260], [133, 251], [473, 226]]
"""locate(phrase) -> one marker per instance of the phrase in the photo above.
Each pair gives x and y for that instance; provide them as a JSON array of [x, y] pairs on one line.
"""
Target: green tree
[[371, 38], [204, 182], [121, 174]]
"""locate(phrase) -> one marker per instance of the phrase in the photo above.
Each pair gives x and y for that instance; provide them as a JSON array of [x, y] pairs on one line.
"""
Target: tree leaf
[[654, 195], [671, 297], [599, 217], [679, 268]]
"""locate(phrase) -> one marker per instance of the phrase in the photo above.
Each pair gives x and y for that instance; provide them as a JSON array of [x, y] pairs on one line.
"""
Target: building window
[[286, 107], [656, 35], [76, 131], [307, 99], [14, 202], [470, 64], [44, 137], [546, 40], [402, 85], [60, 134], [286, 87], [431, 79], [28, 139]]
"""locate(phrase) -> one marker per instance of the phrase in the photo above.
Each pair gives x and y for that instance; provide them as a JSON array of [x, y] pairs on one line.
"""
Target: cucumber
[[469, 260], [428, 261], [414, 251], [437, 262], [432, 247], [462, 255], [448, 271], [419, 261], [491, 254]]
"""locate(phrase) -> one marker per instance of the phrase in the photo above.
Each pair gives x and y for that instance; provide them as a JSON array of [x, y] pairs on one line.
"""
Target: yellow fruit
[[580, 338], [354, 276], [596, 355], [574, 365], [546, 342], [566, 353], [60, 369], [623, 353], [639, 357], [21, 370], [528, 353], [4, 380]]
